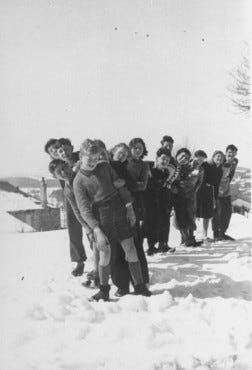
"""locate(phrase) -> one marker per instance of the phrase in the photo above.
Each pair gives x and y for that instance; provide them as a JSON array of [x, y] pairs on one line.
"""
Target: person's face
[[120, 154], [65, 152], [53, 151], [230, 155], [89, 161], [168, 145], [183, 158], [218, 159], [104, 156], [162, 161], [63, 172], [200, 160], [137, 151]]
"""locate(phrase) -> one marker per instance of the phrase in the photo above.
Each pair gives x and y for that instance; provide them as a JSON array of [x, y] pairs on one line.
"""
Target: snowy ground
[[199, 317]]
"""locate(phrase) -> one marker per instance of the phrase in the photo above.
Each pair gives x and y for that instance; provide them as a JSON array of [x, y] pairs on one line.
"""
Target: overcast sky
[[117, 69]]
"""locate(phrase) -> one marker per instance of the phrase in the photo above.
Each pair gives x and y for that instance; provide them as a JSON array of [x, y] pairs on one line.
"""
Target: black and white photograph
[[125, 185]]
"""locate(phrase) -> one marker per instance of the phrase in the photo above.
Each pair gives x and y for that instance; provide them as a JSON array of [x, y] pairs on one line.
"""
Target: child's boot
[[122, 292], [79, 269], [151, 250], [102, 294], [141, 289]]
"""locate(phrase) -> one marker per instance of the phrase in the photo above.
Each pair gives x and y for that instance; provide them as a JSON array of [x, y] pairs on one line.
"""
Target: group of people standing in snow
[[119, 199]]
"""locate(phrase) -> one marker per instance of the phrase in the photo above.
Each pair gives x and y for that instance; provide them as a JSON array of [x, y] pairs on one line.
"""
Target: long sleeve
[[71, 199], [144, 176], [200, 179], [84, 204], [123, 191]]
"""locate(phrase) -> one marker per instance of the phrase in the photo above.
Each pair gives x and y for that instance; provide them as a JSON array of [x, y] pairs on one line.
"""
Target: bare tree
[[240, 87]]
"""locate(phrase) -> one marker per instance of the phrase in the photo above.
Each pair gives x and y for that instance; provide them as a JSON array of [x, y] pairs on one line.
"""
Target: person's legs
[[134, 266], [94, 274], [205, 223], [169, 206], [104, 271], [132, 260], [77, 250], [120, 274], [107, 215], [226, 213], [216, 220], [142, 258], [164, 227], [151, 223], [124, 232]]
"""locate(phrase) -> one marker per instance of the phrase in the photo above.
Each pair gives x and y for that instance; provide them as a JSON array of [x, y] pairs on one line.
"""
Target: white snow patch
[[199, 316]]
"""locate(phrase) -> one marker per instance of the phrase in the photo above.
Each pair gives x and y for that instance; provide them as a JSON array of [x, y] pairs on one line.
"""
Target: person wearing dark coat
[[138, 173], [184, 190], [207, 193], [119, 162], [157, 202], [108, 211], [63, 149], [223, 212]]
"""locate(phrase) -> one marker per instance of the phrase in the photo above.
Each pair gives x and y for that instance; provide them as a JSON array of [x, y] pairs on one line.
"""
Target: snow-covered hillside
[[199, 316]]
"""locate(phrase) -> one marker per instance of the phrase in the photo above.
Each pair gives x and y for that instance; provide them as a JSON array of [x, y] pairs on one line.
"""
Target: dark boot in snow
[[79, 269], [92, 275], [102, 294], [151, 250], [93, 280], [227, 237], [141, 289], [218, 236], [91, 283], [121, 292], [163, 247]]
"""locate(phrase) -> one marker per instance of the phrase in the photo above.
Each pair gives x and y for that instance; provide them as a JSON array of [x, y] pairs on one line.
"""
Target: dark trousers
[[120, 274], [222, 215], [157, 223], [185, 213], [77, 251], [138, 239], [112, 219], [140, 212]]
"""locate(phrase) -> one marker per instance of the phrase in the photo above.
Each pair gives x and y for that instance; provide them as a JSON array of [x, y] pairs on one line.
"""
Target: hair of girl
[[167, 138], [65, 141], [231, 147], [54, 164], [100, 143], [200, 153], [163, 150], [137, 140], [90, 147], [117, 146], [183, 150], [49, 143], [216, 152]]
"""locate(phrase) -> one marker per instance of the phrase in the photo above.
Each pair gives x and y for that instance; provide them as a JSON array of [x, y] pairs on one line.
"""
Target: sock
[[104, 274], [136, 272]]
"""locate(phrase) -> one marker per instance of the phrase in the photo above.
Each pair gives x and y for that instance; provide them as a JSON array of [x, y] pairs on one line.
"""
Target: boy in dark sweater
[[157, 201], [63, 171], [108, 214], [168, 142], [63, 149]]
